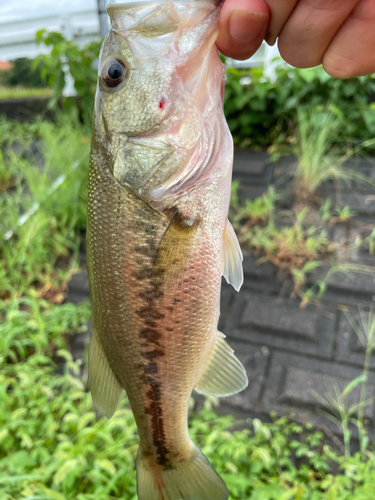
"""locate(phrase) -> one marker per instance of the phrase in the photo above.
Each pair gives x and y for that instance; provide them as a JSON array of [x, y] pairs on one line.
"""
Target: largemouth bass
[[158, 236]]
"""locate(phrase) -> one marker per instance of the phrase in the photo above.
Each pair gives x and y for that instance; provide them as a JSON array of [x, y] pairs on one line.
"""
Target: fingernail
[[244, 27], [270, 39]]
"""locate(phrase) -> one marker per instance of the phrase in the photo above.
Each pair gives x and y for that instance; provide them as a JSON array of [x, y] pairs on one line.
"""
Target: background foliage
[[262, 112], [22, 73], [65, 55]]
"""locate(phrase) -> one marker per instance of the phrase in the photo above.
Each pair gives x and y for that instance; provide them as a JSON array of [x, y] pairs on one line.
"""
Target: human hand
[[340, 34]]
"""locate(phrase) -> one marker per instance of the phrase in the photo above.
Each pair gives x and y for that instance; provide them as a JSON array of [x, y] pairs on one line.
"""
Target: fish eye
[[113, 73]]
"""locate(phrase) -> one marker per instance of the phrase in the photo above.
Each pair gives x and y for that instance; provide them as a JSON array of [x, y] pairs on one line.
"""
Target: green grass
[[53, 447], [19, 92], [318, 157], [44, 214]]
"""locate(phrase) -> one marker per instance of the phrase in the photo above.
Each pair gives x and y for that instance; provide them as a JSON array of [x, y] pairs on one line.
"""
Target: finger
[[351, 52], [280, 12], [311, 28], [242, 27]]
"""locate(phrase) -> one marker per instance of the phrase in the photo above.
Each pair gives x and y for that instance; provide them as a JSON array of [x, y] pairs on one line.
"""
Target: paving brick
[[78, 288], [265, 320], [226, 299], [252, 168], [349, 346], [353, 281], [339, 235], [364, 166], [359, 250], [246, 192], [263, 278], [79, 343], [358, 202], [348, 287], [252, 268], [292, 380]]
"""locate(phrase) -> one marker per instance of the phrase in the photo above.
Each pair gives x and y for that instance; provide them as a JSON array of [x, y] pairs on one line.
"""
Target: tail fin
[[193, 479]]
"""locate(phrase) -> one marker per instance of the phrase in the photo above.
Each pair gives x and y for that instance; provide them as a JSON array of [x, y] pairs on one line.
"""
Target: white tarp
[[21, 19]]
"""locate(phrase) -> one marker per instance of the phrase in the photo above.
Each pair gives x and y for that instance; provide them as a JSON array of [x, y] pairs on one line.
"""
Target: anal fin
[[232, 265], [225, 374], [105, 390]]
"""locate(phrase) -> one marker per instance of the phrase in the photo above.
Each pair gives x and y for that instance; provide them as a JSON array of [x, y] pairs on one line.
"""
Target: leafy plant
[[66, 56], [31, 325], [52, 446], [261, 112], [20, 92], [253, 212], [21, 73]]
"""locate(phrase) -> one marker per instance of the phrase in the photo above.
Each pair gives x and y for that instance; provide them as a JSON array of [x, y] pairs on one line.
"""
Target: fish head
[[146, 60], [135, 80]]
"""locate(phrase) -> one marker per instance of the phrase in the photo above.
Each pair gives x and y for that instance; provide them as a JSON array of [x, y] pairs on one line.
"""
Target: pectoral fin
[[175, 248], [225, 374], [105, 390], [232, 265]]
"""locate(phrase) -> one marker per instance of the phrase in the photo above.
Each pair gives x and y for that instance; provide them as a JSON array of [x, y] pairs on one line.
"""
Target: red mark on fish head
[[161, 103]]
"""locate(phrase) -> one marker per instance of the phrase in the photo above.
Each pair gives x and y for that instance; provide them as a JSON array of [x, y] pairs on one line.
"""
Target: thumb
[[242, 27]]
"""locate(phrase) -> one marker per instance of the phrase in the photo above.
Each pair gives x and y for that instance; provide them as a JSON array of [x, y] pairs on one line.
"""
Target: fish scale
[[155, 261]]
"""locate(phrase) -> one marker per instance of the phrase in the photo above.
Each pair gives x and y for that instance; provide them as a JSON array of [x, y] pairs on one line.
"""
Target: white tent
[[21, 19], [77, 19]]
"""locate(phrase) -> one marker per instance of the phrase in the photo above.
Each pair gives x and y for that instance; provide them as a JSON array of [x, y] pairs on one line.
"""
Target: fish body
[[158, 238]]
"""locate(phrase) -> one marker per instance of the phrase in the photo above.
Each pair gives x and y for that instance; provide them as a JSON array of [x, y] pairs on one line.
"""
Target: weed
[[318, 159], [297, 249], [342, 411], [366, 335], [44, 215], [31, 325], [342, 214], [254, 212], [333, 215]]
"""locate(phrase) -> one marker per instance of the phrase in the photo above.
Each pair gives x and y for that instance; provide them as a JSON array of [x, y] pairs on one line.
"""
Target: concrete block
[[265, 320], [349, 346], [292, 380]]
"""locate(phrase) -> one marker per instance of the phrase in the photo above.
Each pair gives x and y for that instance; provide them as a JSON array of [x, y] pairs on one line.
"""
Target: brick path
[[289, 351]]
